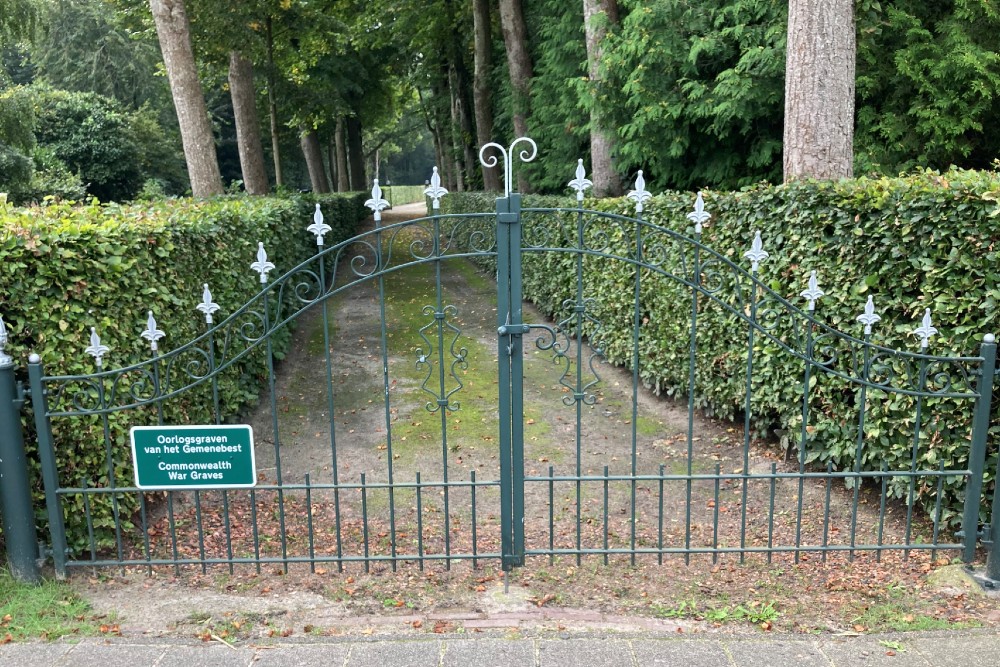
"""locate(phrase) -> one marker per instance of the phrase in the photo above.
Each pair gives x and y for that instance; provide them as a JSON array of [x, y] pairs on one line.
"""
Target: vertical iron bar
[[552, 516], [803, 438], [517, 384], [256, 528], [84, 485], [917, 426], [937, 510], [659, 523], [201, 531], [309, 526], [579, 375], [475, 542], [692, 364], [715, 515], [331, 410], [384, 345], [112, 482], [606, 516], [504, 343], [881, 513], [862, 408], [15, 484], [977, 455], [826, 511], [216, 406], [420, 525], [172, 523], [443, 401], [747, 414], [144, 522], [50, 470], [274, 425], [993, 557], [770, 513], [227, 525], [636, 323], [364, 521]]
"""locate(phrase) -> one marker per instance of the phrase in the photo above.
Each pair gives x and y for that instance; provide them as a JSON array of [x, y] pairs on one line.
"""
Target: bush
[[65, 269], [926, 240]]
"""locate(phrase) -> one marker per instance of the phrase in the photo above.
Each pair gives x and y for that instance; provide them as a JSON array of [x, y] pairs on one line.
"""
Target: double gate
[[526, 443]]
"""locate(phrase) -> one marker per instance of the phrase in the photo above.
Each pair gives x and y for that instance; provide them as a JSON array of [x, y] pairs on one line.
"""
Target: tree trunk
[[174, 34], [356, 156], [314, 160], [247, 126], [456, 131], [482, 98], [331, 157], [343, 175], [515, 38], [819, 90], [272, 105], [598, 16]]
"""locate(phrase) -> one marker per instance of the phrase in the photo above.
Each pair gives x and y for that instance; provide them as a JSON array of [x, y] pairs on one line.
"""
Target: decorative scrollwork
[[582, 319], [425, 359], [508, 157]]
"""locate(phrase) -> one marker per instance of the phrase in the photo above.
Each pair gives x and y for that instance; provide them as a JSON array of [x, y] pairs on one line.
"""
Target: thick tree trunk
[[343, 175], [819, 89], [356, 156], [247, 126], [314, 160], [515, 38], [482, 98], [331, 158], [174, 34], [458, 149], [272, 105], [598, 16]]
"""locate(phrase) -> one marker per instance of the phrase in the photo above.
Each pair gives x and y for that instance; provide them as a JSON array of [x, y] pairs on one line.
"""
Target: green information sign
[[193, 457]]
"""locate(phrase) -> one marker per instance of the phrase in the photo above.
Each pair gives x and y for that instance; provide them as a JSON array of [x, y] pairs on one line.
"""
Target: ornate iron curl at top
[[508, 159]]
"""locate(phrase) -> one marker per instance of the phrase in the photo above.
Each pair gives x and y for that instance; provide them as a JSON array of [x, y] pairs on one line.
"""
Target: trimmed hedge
[[64, 269], [926, 240]]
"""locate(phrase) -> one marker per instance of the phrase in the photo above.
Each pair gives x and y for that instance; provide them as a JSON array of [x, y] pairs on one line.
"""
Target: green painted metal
[[595, 508], [15, 493]]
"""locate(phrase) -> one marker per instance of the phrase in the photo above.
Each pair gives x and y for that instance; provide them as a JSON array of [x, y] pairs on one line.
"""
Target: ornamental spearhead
[[318, 227], [925, 330], [5, 359], [96, 350], [581, 182], [377, 204], [640, 195], [814, 293], [207, 306], [868, 318], [262, 266], [756, 254], [152, 334], [698, 216], [435, 191]]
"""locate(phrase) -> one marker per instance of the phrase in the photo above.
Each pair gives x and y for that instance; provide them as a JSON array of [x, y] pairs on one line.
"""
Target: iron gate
[[632, 494]]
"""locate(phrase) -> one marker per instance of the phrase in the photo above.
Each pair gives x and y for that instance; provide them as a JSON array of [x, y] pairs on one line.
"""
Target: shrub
[[64, 269], [926, 240]]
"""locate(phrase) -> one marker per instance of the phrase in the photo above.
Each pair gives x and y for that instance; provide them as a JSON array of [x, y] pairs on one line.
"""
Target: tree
[[515, 37], [247, 126], [598, 15], [174, 33], [482, 102], [819, 89]]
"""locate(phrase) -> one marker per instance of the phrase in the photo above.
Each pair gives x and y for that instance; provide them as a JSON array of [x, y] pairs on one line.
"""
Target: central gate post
[[510, 330], [977, 453]]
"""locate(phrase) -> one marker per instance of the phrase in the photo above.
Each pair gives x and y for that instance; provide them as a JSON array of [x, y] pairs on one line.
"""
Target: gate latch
[[514, 329]]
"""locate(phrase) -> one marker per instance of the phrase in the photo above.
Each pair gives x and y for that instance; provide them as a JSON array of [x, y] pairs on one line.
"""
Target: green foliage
[[926, 240], [65, 269]]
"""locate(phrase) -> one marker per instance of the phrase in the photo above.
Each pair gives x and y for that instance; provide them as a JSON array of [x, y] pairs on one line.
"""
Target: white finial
[[207, 306], [925, 330], [95, 349], [152, 334], [5, 359], [814, 293], [756, 254], [435, 191], [698, 216], [640, 195], [262, 266], [868, 318], [581, 182], [318, 227], [377, 204]]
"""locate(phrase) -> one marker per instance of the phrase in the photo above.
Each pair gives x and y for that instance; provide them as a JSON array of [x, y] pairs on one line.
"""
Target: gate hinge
[[984, 535], [21, 394]]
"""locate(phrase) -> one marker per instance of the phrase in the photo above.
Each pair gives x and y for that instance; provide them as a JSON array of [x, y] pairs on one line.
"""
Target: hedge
[[924, 240], [65, 269]]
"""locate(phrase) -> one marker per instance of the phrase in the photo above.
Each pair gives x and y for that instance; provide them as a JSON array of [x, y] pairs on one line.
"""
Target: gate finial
[[508, 159], [868, 318], [640, 195], [698, 216], [581, 182], [435, 191], [925, 330], [377, 204], [318, 227]]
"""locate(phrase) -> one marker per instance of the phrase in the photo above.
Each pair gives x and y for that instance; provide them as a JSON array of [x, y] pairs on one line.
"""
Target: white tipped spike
[[435, 191], [207, 306], [868, 318], [262, 266], [925, 330], [318, 227], [377, 204], [756, 254], [640, 195], [814, 293], [152, 333], [581, 182], [96, 350], [698, 216]]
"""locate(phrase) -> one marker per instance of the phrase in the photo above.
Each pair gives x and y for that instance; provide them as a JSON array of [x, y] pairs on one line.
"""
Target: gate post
[[977, 454], [15, 487], [47, 457]]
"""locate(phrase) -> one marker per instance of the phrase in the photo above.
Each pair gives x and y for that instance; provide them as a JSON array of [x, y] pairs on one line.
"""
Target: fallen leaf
[[417, 624], [6, 639]]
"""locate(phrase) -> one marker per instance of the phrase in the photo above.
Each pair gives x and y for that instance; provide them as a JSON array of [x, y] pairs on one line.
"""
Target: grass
[[755, 612], [47, 611]]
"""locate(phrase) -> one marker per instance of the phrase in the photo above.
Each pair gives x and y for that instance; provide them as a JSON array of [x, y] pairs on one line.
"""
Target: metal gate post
[[977, 453], [510, 329], [47, 457], [15, 487]]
